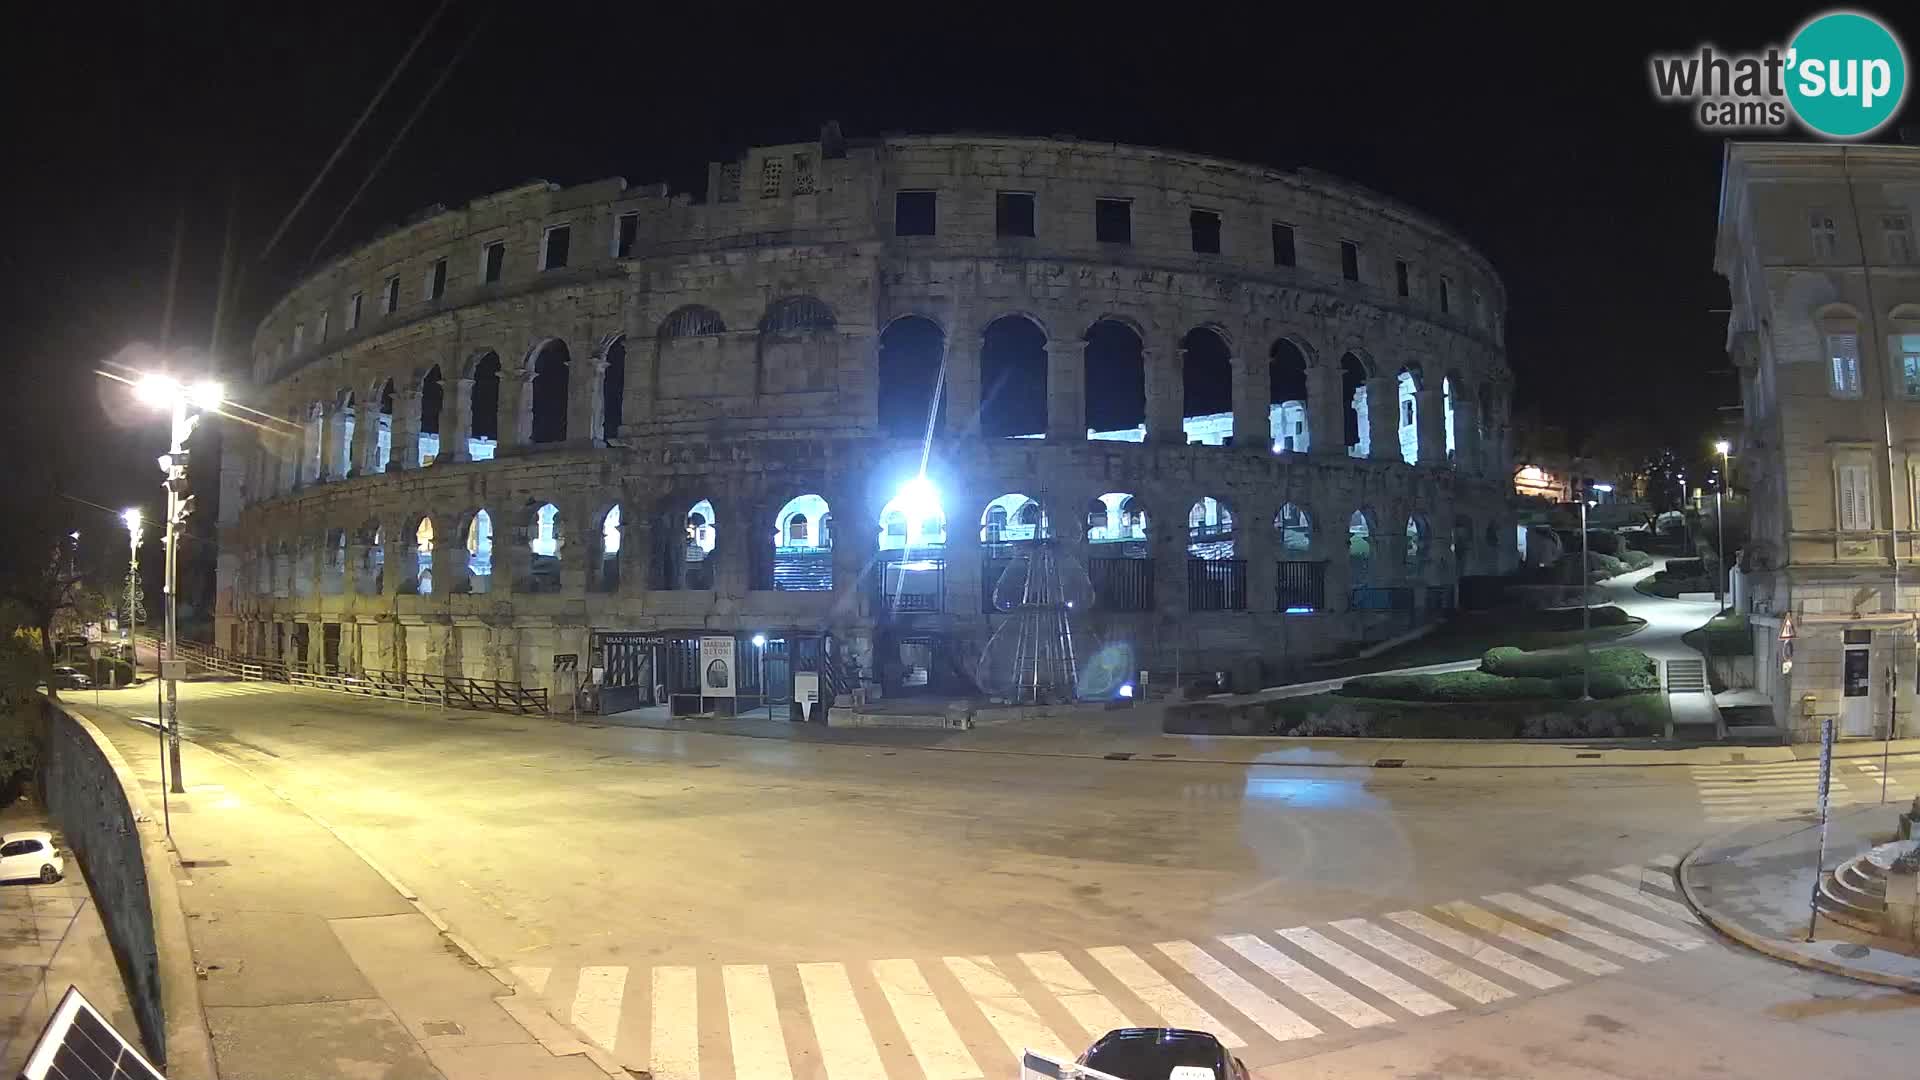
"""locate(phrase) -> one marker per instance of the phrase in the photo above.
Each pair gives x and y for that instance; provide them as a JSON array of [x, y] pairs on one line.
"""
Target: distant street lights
[[1586, 599], [131, 515], [186, 404], [1720, 521]]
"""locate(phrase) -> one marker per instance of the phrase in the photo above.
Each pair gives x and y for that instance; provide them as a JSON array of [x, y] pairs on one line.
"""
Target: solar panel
[[79, 1044]]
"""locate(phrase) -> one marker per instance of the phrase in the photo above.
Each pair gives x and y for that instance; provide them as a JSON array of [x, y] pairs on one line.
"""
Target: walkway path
[[1667, 620]]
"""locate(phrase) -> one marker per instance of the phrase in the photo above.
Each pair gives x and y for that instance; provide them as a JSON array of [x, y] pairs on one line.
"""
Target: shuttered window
[[1856, 498], [1843, 351]]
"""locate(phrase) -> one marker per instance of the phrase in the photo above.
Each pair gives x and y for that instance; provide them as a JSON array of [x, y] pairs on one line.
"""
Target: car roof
[[45, 837], [1132, 1052]]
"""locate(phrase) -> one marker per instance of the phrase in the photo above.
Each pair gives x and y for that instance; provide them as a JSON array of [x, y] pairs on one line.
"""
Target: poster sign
[[806, 689], [716, 667]]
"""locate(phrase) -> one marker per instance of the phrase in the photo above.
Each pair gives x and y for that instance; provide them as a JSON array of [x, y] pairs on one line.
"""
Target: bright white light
[[1603, 487], [759, 641], [919, 499], [1126, 690], [1722, 447], [156, 390], [206, 395], [131, 515]]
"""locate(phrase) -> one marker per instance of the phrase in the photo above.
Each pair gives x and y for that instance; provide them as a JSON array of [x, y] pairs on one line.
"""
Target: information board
[[716, 667]]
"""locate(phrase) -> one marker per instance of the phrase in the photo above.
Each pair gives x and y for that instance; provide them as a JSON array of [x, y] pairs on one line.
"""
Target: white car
[[26, 855]]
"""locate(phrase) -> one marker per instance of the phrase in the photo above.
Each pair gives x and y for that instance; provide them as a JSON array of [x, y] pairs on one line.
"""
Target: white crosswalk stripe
[[968, 1017], [1733, 794]]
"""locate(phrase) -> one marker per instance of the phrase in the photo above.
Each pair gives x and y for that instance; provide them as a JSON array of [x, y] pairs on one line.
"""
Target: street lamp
[[1586, 600], [186, 404], [1720, 522], [131, 515], [760, 647]]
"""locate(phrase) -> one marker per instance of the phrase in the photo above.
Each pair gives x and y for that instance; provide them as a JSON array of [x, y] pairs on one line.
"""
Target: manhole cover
[[1124, 755], [1850, 950], [1586, 755], [442, 1027], [1166, 755], [1389, 763], [198, 864]]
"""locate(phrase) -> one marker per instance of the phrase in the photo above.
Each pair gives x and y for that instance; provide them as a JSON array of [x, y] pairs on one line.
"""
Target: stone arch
[[1289, 396], [803, 545], [380, 445], [798, 346], [478, 535], [1408, 384], [333, 563], [1210, 530], [1362, 538], [1354, 372], [613, 387], [432, 393], [691, 320], [1450, 385], [1294, 523], [794, 316], [483, 425], [1463, 539], [543, 527], [1115, 384], [1014, 518], [1013, 377], [606, 538], [911, 362], [1419, 547], [544, 407], [913, 520], [1206, 385], [1119, 518], [420, 533], [370, 577]]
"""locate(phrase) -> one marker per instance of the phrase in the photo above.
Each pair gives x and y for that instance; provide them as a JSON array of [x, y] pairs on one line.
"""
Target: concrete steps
[[1855, 892], [1686, 676]]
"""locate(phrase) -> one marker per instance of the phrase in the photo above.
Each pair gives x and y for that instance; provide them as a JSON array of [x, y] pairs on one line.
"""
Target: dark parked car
[[68, 677], [1160, 1053]]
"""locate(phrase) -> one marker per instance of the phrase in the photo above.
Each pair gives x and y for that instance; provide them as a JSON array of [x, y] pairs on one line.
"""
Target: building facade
[[1816, 242], [826, 402]]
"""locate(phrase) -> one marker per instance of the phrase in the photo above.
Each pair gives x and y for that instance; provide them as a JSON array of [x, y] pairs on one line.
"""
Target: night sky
[[1596, 204]]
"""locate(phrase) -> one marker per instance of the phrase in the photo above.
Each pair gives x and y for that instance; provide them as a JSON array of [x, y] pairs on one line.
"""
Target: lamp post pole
[[176, 476], [1586, 608], [1720, 525], [132, 518]]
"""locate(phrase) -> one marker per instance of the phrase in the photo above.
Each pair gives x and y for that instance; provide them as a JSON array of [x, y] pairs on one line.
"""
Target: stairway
[[1855, 892], [1686, 676]]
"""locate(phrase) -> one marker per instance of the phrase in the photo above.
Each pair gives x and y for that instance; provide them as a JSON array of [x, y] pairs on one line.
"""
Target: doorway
[[330, 647], [1856, 685]]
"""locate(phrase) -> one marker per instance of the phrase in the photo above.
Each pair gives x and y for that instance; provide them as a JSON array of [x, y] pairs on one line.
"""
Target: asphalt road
[[690, 899]]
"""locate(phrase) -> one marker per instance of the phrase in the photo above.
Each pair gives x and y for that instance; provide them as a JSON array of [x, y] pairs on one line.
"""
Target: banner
[[716, 667]]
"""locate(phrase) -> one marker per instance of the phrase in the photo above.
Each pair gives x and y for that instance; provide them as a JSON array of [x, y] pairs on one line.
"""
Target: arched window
[[312, 471], [543, 547], [796, 315], [1210, 530], [913, 520], [1206, 387], [1012, 519], [1287, 393], [382, 457], [484, 428], [1013, 379], [370, 580], [1360, 548], [1116, 383], [613, 389], [333, 565], [1296, 532], [802, 546], [1353, 398], [607, 579], [1116, 518], [1483, 424], [912, 352], [340, 436], [1463, 559], [1417, 546], [1408, 386], [692, 321], [480, 552], [423, 557], [431, 392], [1447, 385], [548, 402]]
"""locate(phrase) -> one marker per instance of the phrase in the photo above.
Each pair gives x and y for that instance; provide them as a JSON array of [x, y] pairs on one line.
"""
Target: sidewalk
[[1755, 885], [317, 964], [51, 938]]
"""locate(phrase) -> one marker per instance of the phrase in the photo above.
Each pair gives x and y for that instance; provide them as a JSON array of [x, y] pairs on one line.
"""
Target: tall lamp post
[[1720, 521], [186, 404], [131, 515], [1586, 599]]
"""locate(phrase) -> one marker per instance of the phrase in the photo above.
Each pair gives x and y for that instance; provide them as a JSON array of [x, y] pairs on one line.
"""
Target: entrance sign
[[716, 667], [566, 661]]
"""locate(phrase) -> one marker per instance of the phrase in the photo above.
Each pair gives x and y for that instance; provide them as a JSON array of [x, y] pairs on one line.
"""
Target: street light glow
[[156, 389], [1603, 487], [759, 641], [131, 515], [1722, 447], [206, 394]]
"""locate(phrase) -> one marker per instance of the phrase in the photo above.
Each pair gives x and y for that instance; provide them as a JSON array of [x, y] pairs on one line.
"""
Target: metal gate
[[330, 647]]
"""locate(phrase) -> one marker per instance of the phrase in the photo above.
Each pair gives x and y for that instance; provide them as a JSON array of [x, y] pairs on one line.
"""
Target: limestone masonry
[[1266, 410]]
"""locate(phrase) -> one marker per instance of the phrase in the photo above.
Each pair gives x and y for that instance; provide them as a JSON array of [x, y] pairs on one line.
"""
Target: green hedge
[[1322, 715], [1509, 674], [1448, 686], [1563, 618], [1635, 560], [1632, 666]]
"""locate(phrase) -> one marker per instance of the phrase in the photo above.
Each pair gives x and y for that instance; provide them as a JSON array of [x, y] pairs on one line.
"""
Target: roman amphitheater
[[818, 408]]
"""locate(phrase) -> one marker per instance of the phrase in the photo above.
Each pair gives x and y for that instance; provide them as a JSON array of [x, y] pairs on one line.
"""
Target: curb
[[1740, 935]]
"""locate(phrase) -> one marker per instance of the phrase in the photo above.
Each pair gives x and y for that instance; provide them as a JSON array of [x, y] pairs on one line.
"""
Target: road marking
[[534, 977], [1446, 972], [1466, 945], [1624, 920], [1566, 924], [846, 1045], [596, 1003], [929, 1033], [1012, 1015], [1156, 993], [753, 1023], [1657, 883], [1482, 919], [1305, 981], [1665, 862], [1273, 1018], [1673, 909], [1088, 1006], [675, 1051], [1367, 973]]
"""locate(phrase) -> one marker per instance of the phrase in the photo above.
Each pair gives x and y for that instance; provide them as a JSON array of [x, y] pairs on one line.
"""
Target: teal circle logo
[[1847, 74]]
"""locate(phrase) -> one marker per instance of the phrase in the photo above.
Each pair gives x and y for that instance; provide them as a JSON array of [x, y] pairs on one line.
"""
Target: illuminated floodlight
[[1298, 611], [206, 394], [1603, 487], [759, 641], [131, 515], [1722, 447], [1126, 690], [156, 389], [918, 498]]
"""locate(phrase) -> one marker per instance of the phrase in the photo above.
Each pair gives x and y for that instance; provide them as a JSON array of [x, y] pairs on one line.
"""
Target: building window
[[772, 170], [1350, 260], [1446, 295], [493, 259], [1826, 239], [353, 311], [1113, 221], [626, 234], [1855, 491], [299, 336], [1843, 352], [1013, 213], [1907, 348], [326, 317], [729, 182], [1899, 238], [1282, 244], [1205, 227], [913, 213], [803, 174], [553, 246], [437, 281], [1402, 279], [390, 298]]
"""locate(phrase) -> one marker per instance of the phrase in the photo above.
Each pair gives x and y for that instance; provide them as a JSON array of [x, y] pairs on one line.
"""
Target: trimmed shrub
[[1604, 541], [1685, 568], [1635, 560], [1447, 686], [1633, 668]]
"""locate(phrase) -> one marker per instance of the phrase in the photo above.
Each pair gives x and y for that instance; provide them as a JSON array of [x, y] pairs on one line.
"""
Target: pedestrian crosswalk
[[1732, 794], [968, 1017]]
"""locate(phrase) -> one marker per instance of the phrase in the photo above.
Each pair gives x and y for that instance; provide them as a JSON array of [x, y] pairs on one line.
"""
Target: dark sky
[[1538, 140]]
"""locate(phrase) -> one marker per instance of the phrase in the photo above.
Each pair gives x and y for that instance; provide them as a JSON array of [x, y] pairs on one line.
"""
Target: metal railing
[[911, 588], [484, 695], [1216, 585], [1300, 587], [1121, 584]]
